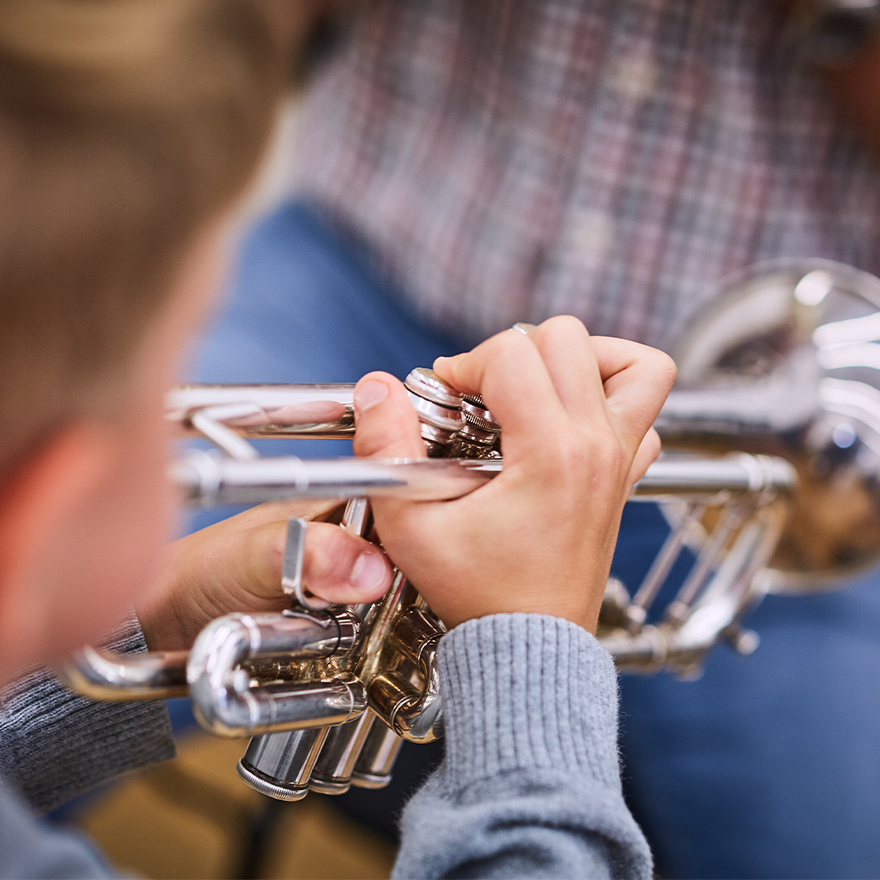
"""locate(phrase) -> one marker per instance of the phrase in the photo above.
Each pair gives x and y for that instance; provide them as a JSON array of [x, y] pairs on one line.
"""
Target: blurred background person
[[459, 166]]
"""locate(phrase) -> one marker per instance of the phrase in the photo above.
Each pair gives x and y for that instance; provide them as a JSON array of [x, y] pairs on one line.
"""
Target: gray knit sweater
[[55, 745], [530, 786]]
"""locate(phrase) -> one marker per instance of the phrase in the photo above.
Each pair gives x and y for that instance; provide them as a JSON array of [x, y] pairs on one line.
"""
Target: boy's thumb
[[386, 423]]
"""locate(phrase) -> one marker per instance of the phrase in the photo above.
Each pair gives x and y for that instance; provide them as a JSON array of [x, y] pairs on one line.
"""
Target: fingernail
[[523, 327], [369, 394], [369, 571]]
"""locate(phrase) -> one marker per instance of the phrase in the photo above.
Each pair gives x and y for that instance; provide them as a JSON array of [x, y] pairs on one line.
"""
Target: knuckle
[[663, 366], [562, 327], [653, 443], [567, 324], [503, 346]]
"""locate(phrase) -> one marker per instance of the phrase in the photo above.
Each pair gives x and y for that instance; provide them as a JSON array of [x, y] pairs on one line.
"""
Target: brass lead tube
[[207, 479]]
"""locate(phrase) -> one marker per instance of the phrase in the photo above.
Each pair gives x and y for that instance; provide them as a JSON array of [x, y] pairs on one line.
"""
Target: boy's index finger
[[637, 380], [508, 371], [568, 354]]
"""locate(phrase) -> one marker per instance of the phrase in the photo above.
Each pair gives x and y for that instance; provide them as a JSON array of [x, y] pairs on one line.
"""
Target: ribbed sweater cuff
[[522, 691], [55, 744]]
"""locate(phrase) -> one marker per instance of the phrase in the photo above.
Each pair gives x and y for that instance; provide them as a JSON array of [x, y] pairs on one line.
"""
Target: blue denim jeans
[[767, 766]]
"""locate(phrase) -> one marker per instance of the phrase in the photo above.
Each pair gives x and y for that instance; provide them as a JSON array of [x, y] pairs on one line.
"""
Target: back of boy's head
[[125, 127]]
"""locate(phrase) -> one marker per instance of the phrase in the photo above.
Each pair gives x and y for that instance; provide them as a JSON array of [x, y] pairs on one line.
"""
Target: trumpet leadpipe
[[258, 411], [206, 479]]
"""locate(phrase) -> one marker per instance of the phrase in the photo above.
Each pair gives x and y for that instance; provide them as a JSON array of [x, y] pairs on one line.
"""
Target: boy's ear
[[39, 500]]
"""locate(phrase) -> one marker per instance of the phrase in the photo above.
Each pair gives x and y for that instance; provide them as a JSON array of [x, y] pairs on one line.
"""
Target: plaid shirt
[[509, 160]]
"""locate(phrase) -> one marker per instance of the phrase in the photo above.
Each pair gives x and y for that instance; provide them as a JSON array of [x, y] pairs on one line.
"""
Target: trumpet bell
[[786, 362]]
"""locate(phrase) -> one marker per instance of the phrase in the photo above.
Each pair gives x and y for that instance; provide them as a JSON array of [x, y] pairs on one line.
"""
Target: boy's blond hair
[[125, 126]]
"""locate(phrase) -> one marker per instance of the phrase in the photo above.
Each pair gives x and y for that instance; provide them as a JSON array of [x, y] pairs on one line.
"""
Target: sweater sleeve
[[54, 744], [36, 848], [530, 785]]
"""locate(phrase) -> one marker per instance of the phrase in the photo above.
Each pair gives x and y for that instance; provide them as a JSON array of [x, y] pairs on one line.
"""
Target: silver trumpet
[[773, 486]]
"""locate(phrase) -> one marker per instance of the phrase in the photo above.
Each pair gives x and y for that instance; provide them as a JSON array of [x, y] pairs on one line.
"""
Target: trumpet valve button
[[428, 385]]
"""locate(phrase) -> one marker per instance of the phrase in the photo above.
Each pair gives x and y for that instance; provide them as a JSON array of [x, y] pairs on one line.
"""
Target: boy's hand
[[235, 565], [576, 415]]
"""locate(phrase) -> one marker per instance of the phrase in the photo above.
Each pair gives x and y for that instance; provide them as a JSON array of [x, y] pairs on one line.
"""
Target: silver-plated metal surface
[[376, 762], [292, 566], [274, 410], [709, 477], [103, 675], [785, 363], [636, 611], [439, 409], [479, 433], [205, 479], [333, 770], [220, 688], [428, 385], [778, 393], [681, 642], [356, 516], [211, 422], [208, 480], [279, 765]]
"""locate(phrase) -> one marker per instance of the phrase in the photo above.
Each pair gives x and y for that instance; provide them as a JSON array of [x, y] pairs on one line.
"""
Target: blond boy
[[127, 129]]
